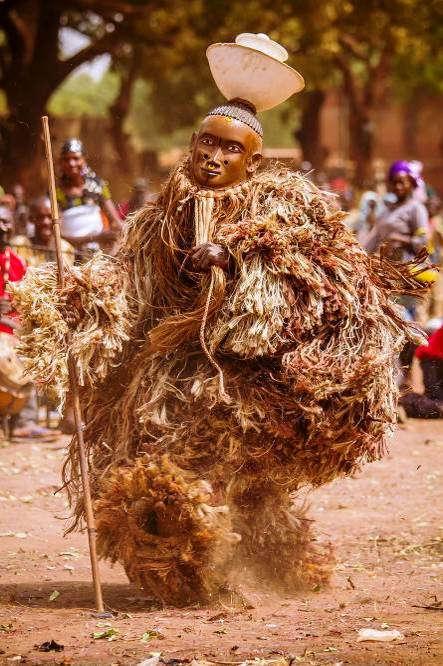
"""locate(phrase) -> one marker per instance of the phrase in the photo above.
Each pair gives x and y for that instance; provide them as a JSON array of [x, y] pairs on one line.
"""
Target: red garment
[[123, 209], [434, 348], [13, 273]]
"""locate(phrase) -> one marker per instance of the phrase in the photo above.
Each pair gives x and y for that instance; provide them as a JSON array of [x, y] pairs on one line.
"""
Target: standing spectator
[[434, 207], [401, 228], [399, 232], [421, 191], [341, 186], [370, 205], [89, 217], [21, 212], [7, 200], [139, 197]]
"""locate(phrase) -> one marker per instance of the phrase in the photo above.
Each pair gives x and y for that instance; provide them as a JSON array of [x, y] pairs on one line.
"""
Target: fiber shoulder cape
[[304, 329]]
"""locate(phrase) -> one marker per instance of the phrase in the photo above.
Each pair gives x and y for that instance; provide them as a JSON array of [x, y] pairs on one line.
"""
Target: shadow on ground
[[75, 594]]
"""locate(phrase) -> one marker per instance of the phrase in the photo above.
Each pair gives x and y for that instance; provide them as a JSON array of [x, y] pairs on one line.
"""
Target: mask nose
[[216, 156]]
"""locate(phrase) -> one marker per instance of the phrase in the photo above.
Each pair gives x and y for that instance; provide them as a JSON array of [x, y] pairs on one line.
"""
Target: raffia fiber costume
[[188, 474]]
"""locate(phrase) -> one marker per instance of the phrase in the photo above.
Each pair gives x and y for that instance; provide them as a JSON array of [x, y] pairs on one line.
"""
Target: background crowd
[[130, 79], [398, 216]]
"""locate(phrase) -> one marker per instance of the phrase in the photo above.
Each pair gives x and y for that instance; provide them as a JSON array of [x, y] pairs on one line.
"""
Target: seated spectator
[[42, 247], [13, 268], [430, 404]]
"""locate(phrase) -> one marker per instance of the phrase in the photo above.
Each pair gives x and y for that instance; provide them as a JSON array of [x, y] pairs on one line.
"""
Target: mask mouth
[[210, 171]]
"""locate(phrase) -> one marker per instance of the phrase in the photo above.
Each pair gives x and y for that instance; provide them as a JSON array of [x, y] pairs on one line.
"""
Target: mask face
[[225, 152]]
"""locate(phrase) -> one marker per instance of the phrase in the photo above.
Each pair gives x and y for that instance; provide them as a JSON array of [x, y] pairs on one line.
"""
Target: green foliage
[[3, 103], [156, 125], [81, 95], [395, 41], [145, 125], [418, 62], [147, 121]]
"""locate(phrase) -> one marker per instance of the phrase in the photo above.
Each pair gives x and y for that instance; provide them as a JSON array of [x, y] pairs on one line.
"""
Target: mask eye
[[207, 140]]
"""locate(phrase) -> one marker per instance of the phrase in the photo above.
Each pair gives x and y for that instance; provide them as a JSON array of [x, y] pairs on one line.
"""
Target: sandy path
[[384, 525]]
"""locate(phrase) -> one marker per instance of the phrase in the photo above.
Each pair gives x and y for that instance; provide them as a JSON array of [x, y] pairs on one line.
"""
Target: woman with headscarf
[[401, 228], [89, 217]]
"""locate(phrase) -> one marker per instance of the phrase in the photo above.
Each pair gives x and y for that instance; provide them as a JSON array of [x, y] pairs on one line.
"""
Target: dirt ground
[[384, 525]]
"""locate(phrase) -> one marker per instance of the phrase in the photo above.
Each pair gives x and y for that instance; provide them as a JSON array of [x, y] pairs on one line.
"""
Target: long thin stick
[[73, 381]]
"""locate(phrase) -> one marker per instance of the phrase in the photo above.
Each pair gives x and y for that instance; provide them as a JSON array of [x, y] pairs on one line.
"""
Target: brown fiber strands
[[306, 332]]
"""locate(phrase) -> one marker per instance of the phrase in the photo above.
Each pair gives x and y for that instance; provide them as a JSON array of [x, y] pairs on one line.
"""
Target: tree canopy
[[159, 83]]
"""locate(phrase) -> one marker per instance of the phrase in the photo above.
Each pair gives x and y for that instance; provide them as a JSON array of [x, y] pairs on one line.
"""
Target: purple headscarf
[[402, 166]]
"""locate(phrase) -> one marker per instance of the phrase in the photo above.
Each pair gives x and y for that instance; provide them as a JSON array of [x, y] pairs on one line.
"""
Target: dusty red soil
[[383, 524]]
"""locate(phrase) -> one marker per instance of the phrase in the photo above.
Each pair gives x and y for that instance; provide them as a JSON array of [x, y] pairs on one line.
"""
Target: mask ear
[[193, 140], [253, 163]]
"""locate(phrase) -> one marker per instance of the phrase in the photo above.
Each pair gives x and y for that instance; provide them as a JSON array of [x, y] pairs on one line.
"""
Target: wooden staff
[[73, 380]]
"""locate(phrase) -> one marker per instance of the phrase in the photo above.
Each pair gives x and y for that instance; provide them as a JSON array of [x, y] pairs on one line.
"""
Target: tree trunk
[[20, 150], [309, 133], [118, 113], [361, 128], [411, 112], [29, 75], [362, 100], [27, 93], [361, 135]]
